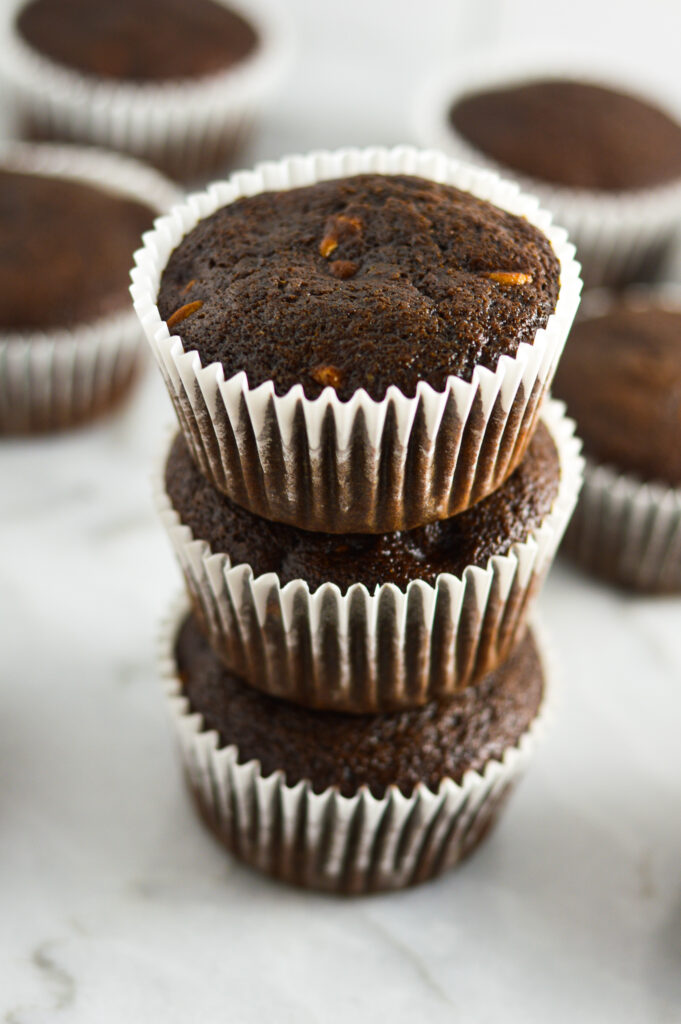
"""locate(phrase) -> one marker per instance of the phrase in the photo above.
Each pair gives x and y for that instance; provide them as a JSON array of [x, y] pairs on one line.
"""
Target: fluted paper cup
[[58, 378], [328, 841], [186, 127], [359, 466], [385, 650], [620, 237]]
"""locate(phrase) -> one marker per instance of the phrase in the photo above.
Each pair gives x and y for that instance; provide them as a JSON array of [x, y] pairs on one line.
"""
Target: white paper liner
[[328, 841], [186, 127], [57, 378], [361, 465], [625, 529], [369, 652], [620, 236]]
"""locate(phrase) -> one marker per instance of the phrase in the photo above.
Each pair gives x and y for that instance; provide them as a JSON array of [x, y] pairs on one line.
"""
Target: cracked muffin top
[[359, 282]]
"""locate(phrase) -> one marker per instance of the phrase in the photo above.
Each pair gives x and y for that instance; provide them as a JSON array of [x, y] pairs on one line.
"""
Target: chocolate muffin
[[492, 527], [65, 251], [444, 739], [175, 83], [366, 623], [574, 134], [351, 804], [621, 379], [70, 220], [139, 41], [361, 282]]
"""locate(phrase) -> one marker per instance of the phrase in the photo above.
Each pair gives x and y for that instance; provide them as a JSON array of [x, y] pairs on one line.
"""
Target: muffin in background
[[344, 803], [69, 221], [177, 84], [602, 153], [621, 379]]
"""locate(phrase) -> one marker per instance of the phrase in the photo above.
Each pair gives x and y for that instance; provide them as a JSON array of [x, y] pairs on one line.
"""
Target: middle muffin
[[372, 622]]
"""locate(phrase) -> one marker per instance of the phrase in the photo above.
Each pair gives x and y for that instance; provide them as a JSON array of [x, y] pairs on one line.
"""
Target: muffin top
[[360, 282], [65, 250], [491, 527], [620, 376], [138, 40], [441, 740], [571, 133]]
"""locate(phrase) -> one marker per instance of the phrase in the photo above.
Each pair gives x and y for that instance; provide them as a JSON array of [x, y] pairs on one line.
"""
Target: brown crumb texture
[[620, 376], [138, 40], [389, 279], [65, 251], [572, 133], [489, 528], [441, 740]]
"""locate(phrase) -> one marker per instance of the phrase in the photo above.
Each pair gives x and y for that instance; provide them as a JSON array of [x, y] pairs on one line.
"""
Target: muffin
[[371, 622], [69, 221], [358, 341], [621, 379], [174, 83], [346, 803], [604, 159]]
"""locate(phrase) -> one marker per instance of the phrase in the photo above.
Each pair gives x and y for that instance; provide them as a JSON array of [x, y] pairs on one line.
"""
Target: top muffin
[[360, 282], [138, 40], [574, 134]]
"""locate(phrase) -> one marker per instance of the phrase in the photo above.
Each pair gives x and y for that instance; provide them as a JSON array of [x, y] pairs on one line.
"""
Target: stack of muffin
[[365, 495]]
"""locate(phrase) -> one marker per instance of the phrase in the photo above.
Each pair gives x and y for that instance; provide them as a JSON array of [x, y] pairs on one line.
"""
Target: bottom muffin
[[345, 803]]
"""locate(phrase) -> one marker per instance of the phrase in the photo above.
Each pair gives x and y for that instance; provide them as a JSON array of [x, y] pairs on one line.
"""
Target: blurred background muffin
[[178, 84], [602, 152], [621, 379], [69, 221]]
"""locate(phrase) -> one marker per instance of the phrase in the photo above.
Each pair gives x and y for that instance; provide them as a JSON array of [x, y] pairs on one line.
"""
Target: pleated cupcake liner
[[188, 128], [363, 651], [52, 379], [362, 465], [621, 237], [327, 841], [627, 531]]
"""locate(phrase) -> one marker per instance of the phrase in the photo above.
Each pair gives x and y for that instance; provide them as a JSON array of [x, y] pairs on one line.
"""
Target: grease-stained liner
[[54, 379], [361, 466], [384, 650], [328, 841]]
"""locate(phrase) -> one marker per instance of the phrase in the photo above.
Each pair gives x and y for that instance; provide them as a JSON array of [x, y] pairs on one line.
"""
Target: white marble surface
[[117, 906]]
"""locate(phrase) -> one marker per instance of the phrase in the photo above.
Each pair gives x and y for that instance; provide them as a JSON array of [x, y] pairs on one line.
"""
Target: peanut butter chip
[[327, 376], [337, 229], [513, 277], [183, 312], [328, 245], [343, 269]]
